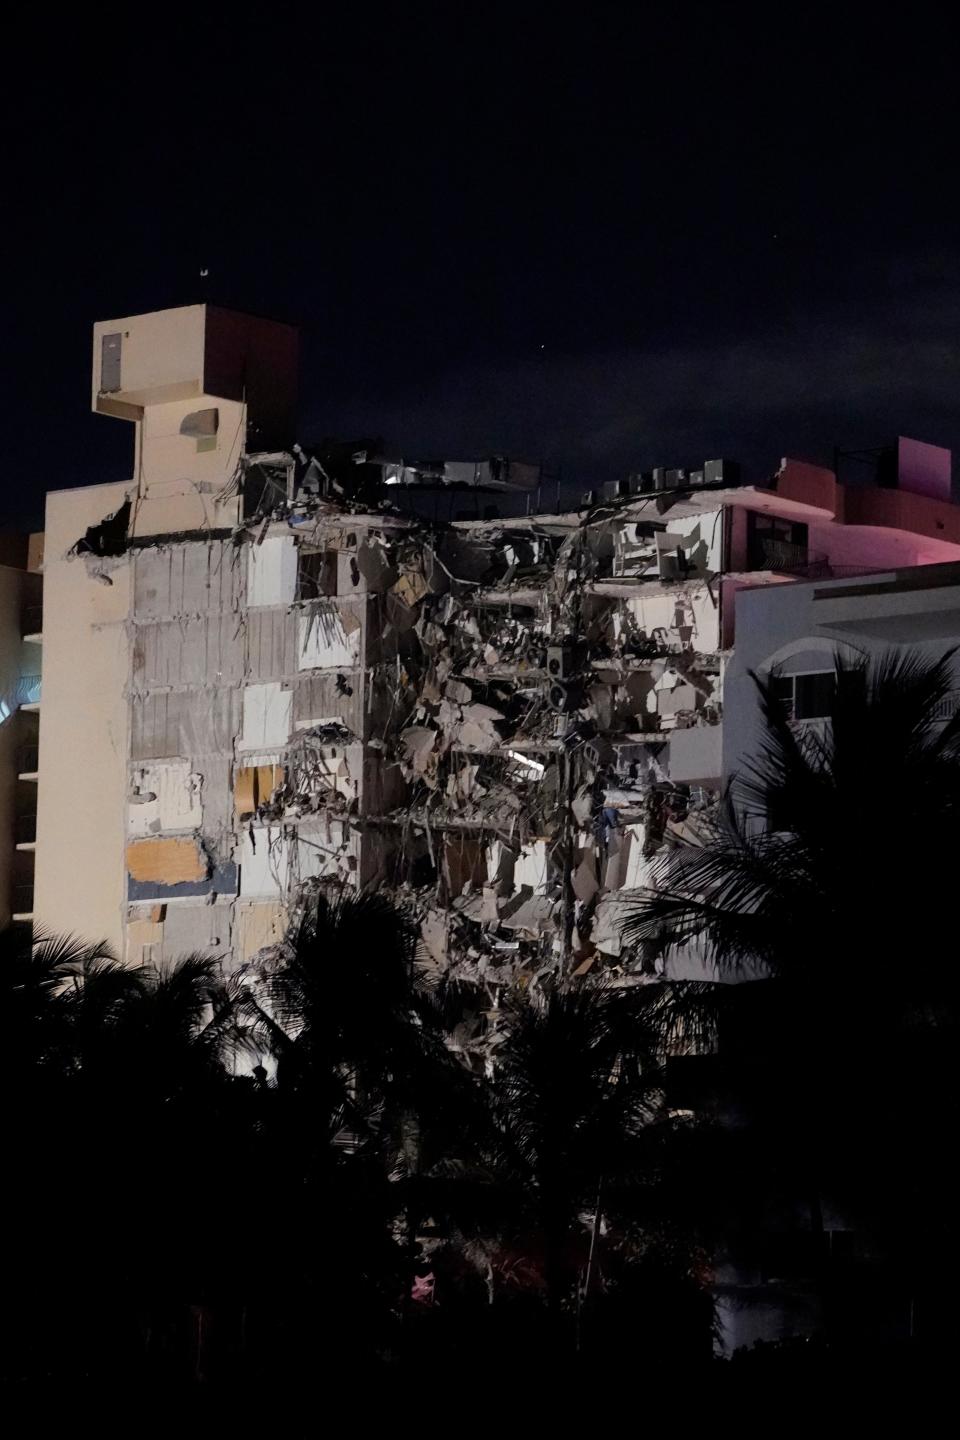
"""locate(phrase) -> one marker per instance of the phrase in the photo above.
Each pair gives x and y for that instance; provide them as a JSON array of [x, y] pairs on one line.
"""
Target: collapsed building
[[264, 675]]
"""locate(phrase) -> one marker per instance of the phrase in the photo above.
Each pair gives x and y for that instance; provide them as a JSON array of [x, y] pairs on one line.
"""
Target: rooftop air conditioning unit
[[721, 472], [659, 478], [616, 490], [675, 479], [645, 482]]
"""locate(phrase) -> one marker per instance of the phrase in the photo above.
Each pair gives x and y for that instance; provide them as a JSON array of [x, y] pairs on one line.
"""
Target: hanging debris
[[476, 717]]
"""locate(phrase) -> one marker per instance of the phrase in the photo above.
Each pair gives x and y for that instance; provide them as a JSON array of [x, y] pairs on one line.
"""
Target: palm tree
[[162, 1133], [365, 1098], [352, 1031], [842, 904], [121, 1124], [577, 1142], [841, 811], [165, 1030], [35, 973]]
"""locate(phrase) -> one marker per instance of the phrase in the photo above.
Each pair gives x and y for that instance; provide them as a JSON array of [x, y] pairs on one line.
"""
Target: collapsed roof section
[[357, 474], [475, 717], [499, 722]]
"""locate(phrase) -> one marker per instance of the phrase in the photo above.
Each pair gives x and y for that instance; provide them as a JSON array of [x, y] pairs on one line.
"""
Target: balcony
[[21, 899], [784, 557], [25, 832], [31, 624], [28, 763]]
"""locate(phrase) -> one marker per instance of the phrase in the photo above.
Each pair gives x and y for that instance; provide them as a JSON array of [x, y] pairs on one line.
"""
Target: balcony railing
[[782, 556]]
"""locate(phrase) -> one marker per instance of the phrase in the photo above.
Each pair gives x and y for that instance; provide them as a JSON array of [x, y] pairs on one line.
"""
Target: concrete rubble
[[271, 670], [474, 716]]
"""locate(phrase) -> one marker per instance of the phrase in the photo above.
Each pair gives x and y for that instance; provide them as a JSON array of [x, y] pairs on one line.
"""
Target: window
[[807, 697], [775, 544]]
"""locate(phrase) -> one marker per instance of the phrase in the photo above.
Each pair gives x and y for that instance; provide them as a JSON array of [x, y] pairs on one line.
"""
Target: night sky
[[609, 236]]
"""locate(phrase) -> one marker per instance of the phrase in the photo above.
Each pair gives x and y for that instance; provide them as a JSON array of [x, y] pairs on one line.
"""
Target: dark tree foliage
[[221, 1181], [836, 913], [286, 1177]]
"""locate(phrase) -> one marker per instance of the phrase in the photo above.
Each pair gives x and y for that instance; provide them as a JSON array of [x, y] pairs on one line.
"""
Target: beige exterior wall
[[189, 379], [8, 808], [197, 352], [162, 357], [81, 813], [12, 660], [178, 481]]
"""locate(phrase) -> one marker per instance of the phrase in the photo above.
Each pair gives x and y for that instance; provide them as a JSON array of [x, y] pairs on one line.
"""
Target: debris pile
[[475, 716]]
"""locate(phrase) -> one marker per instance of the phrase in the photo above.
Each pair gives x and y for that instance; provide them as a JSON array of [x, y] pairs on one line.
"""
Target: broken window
[[254, 785], [328, 637], [316, 574]]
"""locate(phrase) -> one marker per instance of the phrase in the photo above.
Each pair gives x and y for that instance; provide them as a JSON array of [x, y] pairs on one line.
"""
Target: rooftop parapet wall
[[811, 485], [901, 510]]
